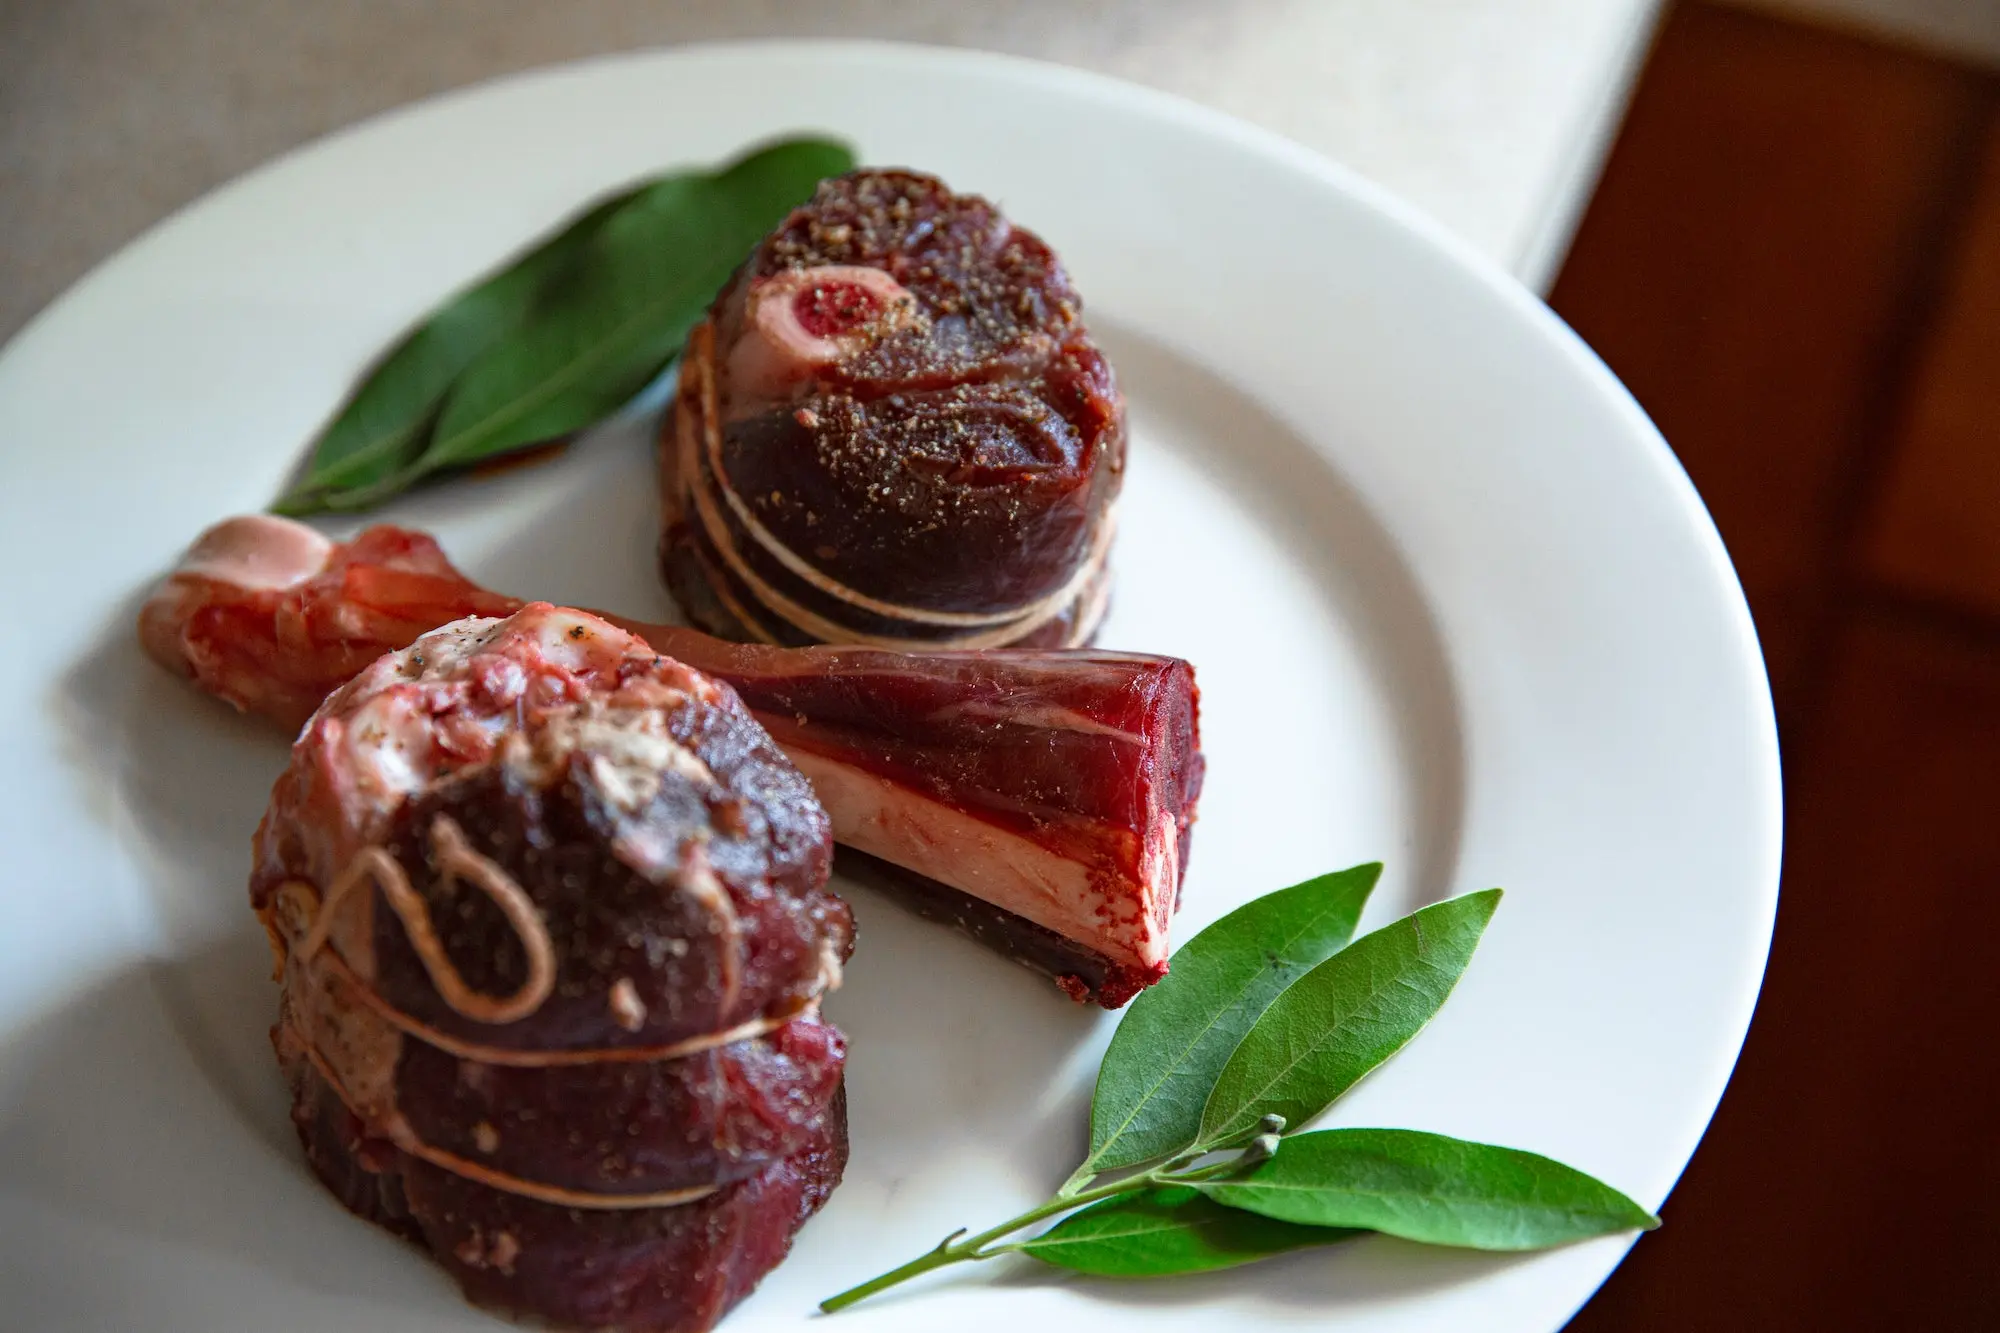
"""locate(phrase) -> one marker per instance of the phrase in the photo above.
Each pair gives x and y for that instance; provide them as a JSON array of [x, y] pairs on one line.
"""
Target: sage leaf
[[643, 281], [1345, 1017], [383, 425], [1176, 1036], [1430, 1188], [1161, 1232]]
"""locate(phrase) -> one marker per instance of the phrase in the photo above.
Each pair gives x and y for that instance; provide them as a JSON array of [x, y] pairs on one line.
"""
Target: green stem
[[1078, 1178], [952, 1250], [944, 1254], [1209, 1172]]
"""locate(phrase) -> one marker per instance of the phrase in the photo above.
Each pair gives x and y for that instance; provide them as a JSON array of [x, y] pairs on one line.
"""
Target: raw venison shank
[[893, 430], [551, 921], [1041, 801]]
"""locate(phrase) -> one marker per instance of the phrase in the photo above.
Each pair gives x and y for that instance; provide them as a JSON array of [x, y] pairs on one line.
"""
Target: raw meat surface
[[1056, 789], [592, 771], [894, 430], [664, 1270], [552, 927]]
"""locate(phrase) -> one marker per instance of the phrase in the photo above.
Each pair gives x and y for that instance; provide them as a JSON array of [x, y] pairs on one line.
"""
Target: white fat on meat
[[1011, 872], [448, 699], [629, 751]]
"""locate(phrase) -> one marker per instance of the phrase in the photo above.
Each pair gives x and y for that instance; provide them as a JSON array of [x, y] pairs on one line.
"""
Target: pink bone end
[[804, 319]]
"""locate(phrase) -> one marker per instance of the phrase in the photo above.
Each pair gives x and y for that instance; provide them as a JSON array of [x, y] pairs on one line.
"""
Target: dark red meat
[[663, 1270], [894, 430], [630, 1127], [1041, 801], [1059, 788], [760, 833], [552, 926]]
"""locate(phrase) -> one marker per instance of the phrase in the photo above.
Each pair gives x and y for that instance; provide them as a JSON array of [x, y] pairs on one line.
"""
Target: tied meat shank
[[1041, 801], [552, 926], [893, 430]]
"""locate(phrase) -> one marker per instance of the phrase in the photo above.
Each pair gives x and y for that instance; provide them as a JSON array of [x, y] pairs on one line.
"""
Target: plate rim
[[1722, 581]]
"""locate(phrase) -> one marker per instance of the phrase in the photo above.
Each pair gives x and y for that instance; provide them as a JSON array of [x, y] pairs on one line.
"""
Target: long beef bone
[[1041, 801]]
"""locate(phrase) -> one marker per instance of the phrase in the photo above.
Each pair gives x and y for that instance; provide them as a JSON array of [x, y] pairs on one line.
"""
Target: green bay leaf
[[1177, 1035], [385, 422], [1430, 1188], [1161, 1232], [643, 281], [1345, 1017]]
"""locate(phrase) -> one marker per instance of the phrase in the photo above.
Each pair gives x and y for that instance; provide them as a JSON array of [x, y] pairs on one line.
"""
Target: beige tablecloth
[[1489, 113]]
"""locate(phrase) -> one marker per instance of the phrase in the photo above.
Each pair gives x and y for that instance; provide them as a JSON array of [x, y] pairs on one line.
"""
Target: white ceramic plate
[[1453, 605]]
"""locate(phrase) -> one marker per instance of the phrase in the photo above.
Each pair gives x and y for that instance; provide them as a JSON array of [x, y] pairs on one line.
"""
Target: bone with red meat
[[552, 925], [801, 321], [894, 430], [1041, 801]]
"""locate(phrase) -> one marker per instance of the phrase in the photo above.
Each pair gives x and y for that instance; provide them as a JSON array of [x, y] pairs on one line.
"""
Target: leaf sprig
[[562, 336], [1268, 1017]]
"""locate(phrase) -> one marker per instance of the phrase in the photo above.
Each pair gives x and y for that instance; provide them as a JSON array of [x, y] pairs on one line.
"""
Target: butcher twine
[[701, 472], [457, 859]]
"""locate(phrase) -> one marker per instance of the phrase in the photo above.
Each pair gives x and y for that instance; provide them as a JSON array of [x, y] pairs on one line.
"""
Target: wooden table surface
[[1794, 262]]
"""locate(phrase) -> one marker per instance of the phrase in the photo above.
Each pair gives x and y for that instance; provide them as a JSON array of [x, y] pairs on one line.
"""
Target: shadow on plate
[[133, 1192], [182, 781]]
